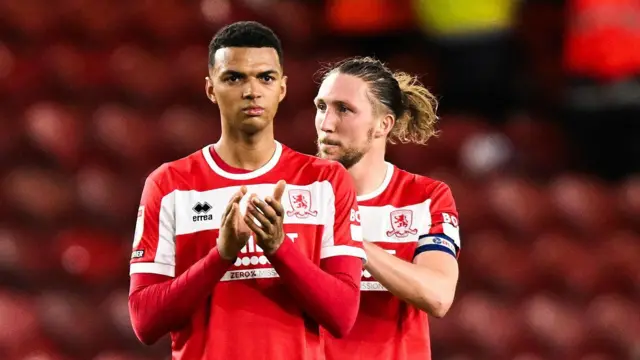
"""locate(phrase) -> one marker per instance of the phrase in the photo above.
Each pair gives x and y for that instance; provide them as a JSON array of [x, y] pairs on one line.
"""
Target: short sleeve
[[343, 235], [154, 238], [443, 232]]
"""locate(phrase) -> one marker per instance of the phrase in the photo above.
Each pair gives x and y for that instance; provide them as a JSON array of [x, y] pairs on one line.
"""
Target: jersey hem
[[343, 250]]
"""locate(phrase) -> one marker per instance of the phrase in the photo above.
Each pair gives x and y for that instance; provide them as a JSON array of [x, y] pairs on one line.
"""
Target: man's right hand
[[234, 233]]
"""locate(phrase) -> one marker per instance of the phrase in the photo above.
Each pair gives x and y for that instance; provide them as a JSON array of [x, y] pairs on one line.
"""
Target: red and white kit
[[407, 215], [250, 313]]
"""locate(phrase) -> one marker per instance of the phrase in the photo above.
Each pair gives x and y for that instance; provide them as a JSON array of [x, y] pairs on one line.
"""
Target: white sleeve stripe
[[453, 232], [166, 250], [342, 250], [356, 232], [152, 268]]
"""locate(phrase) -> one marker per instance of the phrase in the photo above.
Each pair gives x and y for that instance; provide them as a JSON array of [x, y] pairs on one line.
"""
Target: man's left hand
[[270, 215]]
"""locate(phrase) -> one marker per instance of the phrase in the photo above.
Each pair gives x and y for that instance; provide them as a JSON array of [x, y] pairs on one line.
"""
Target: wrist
[[272, 250], [227, 255]]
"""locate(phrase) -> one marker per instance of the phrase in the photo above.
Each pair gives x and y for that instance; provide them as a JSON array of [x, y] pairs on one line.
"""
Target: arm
[[158, 302], [329, 294], [429, 283]]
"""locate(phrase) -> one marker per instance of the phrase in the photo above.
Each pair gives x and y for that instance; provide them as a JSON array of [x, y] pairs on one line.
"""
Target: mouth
[[329, 147], [253, 110]]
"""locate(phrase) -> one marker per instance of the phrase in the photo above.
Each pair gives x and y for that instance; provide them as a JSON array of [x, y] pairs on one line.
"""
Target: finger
[[262, 219], [279, 190], [230, 214], [243, 190], [250, 221], [266, 209], [235, 199], [275, 205]]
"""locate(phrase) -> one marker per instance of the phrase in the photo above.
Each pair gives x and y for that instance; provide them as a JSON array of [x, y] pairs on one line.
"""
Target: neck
[[246, 151], [369, 173]]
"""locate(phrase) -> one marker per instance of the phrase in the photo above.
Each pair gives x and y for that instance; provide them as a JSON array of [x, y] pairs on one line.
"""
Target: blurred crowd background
[[540, 120]]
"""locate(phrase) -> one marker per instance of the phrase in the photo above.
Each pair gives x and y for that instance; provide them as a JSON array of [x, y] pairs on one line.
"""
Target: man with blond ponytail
[[409, 222]]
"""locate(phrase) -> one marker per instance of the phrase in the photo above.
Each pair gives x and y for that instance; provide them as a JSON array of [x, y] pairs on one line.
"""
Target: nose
[[327, 121], [251, 89]]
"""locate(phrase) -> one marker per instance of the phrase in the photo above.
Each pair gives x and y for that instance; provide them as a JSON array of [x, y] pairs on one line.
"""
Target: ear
[[283, 88], [208, 89], [384, 126]]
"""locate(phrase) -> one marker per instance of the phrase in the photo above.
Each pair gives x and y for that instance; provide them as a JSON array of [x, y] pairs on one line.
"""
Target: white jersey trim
[[206, 152], [342, 250], [381, 188], [152, 268]]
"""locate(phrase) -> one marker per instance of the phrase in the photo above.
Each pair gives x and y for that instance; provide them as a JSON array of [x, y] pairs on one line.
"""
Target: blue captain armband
[[436, 242]]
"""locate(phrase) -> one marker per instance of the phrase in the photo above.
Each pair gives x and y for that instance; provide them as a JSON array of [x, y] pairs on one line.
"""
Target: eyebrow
[[333, 102], [268, 72], [243, 75]]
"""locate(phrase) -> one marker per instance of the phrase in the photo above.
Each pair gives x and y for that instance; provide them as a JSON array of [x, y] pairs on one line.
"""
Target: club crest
[[300, 200], [401, 221]]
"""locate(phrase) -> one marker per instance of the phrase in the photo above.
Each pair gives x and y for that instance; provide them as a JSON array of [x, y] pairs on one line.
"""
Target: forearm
[[159, 304], [427, 289], [330, 296]]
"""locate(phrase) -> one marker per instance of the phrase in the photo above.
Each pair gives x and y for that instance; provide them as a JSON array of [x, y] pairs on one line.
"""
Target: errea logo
[[201, 209]]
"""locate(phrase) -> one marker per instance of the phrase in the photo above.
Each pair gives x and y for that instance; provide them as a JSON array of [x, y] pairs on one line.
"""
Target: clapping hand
[[234, 232], [265, 219]]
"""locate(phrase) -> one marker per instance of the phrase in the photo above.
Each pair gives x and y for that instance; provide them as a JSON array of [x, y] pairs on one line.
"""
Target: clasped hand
[[263, 218]]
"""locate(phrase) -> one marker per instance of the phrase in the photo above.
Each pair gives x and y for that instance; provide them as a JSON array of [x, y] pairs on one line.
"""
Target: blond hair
[[413, 106], [418, 122]]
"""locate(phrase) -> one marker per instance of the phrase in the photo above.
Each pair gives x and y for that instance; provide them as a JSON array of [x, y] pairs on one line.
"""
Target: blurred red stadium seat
[[615, 318], [39, 193], [70, 320], [184, 130], [124, 132], [56, 131], [628, 197], [558, 325], [95, 189], [189, 70], [111, 355], [19, 325], [24, 256], [10, 136], [454, 131], [585, 204], [7, 63], [496, 262], [81, 254], [140, 73], [476, 310], [168, 29], [540, 145], [519, 204], [567, 265], [32, 18], [102, 22]]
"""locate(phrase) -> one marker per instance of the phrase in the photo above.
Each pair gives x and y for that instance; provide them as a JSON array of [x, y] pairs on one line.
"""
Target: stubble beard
[[349, 156]]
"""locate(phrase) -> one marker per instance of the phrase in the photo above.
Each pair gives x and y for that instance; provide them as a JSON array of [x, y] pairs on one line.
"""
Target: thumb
[[279, 190]]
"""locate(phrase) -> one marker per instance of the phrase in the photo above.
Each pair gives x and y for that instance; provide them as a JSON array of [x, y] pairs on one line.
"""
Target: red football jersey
[[250, 314], [407, 215]]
